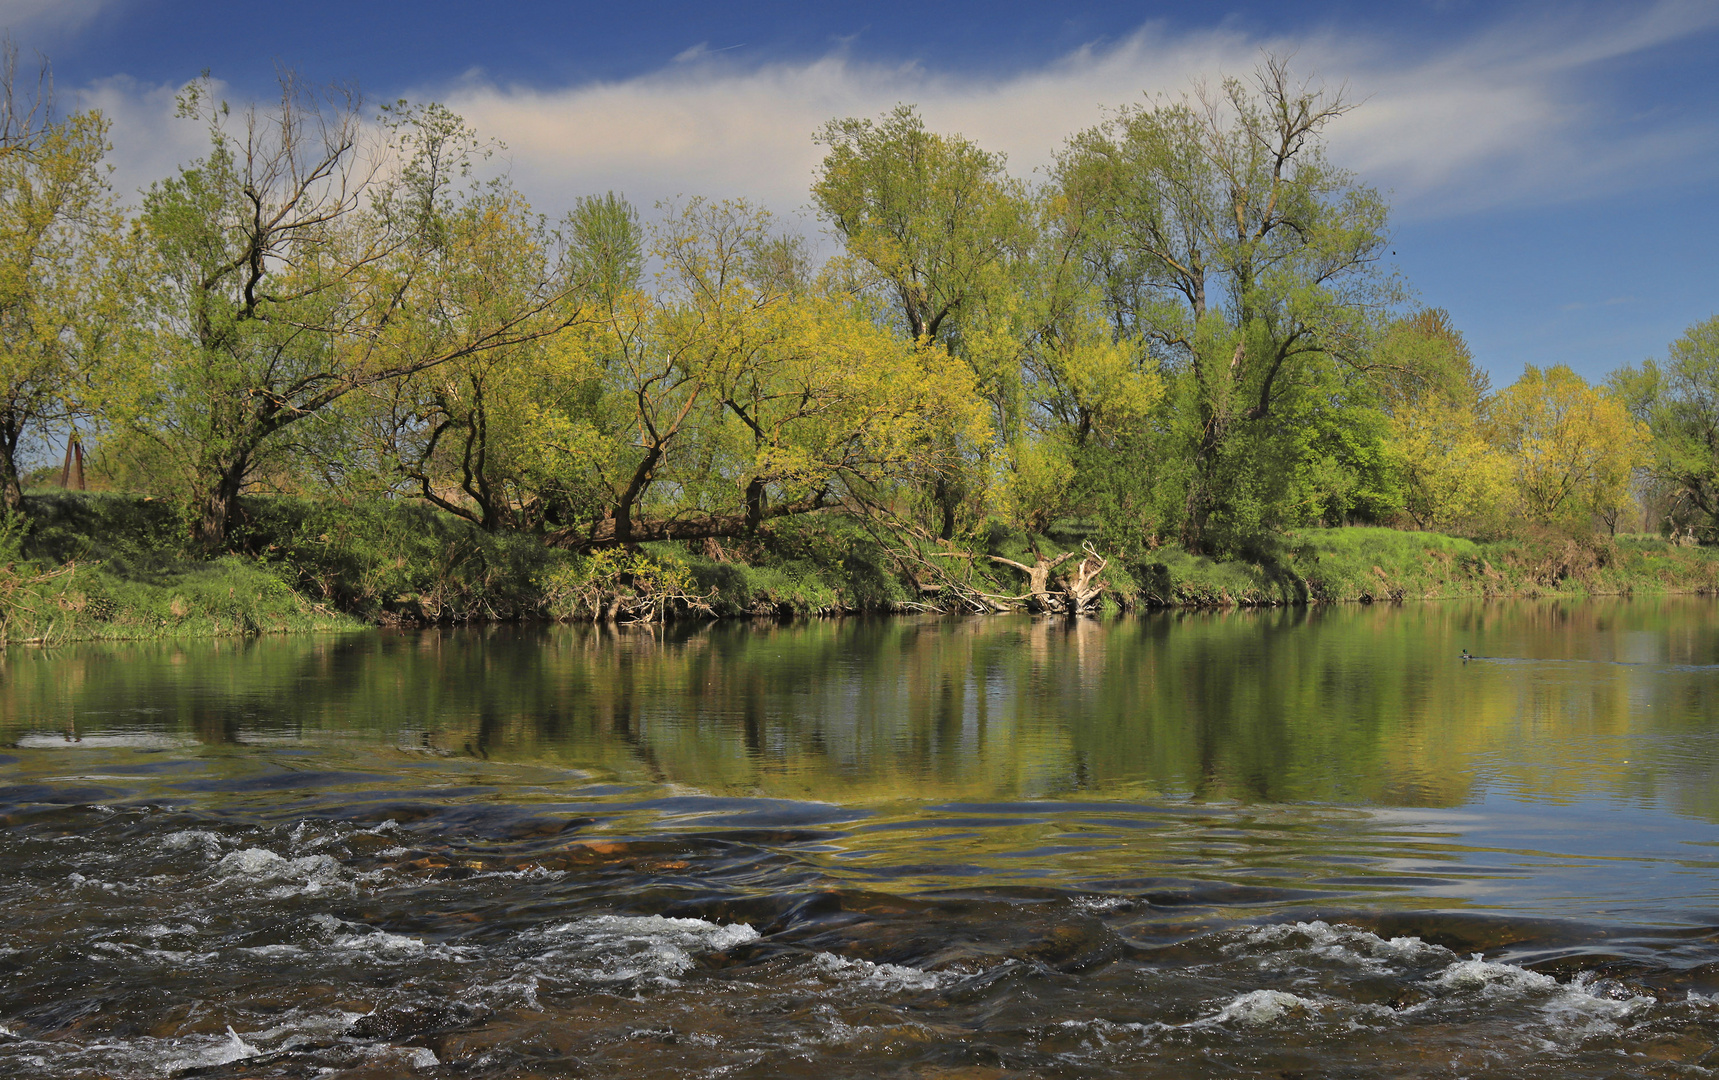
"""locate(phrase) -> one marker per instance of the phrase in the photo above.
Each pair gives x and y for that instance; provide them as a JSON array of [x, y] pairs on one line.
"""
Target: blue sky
[[1552, 168]]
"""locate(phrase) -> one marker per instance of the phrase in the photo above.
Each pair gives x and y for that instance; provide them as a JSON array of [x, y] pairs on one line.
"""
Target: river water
[[1304, 843]]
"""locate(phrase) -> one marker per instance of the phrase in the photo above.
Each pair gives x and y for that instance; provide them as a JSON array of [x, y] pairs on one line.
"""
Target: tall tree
[[1216, 228], [938, 221], [1678, 399], [745, 390], [301, 260], [464, 434], [58, 286], [936, 216], [1422, 356], [1453, 476]]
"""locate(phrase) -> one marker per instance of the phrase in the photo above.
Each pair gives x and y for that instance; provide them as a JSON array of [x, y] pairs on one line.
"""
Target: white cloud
[[1507, 116], [701, 51], [148, 140], [1500, 118], [48, 15], [1504, 117]]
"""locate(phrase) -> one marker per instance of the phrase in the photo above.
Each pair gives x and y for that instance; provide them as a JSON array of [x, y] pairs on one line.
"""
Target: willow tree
[[1215, 227], [58, 281], [1450, 474], [744, 389], [1422, 356], [1083, 393], [1573, 448], [1453, 474], [467, 435], [304, 258], [939, 224]]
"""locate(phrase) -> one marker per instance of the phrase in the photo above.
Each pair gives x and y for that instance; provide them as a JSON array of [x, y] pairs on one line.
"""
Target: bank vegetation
[[334, 370]]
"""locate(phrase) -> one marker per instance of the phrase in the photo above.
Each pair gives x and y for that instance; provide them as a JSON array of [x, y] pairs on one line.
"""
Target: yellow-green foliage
[[1571, 446], [1173, 340], [592, 586], [58, 267], [743, 388], [1452, 474], [1039, 485]]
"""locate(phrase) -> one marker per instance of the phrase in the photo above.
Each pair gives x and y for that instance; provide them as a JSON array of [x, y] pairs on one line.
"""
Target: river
[[1278, 843]]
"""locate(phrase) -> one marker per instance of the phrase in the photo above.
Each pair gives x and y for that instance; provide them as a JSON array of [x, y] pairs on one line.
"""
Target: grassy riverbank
[[1374, 564], [98, 566], [112, 567]]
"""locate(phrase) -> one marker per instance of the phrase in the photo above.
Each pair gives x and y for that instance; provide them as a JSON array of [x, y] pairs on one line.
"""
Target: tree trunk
[[1201, 484], [72, 471], [1204, 485], [11, 490], [1084, 588], [755, 504], [217, 505], [1038, 578], [618, 528], [11, 487], [944, 495]]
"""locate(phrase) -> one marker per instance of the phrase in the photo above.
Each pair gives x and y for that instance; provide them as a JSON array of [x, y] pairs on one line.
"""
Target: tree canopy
[[1219, 235], [301, 260], [1184, 332], [60, 227]]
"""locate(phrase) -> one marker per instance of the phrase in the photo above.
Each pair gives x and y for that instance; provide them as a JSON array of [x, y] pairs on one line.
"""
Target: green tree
[[938, 222], [467, 435], [300, 261], [1573, 448], [1678, 399], [744, 390], [1083, 396], [1453, 477], [1215, 228], [937, 217], [59, 287], [1422, 356]]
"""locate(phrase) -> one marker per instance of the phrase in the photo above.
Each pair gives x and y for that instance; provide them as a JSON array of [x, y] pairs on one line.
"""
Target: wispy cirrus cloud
[[1512, 114], [1505, 116], [47, 16], [1518, 113]]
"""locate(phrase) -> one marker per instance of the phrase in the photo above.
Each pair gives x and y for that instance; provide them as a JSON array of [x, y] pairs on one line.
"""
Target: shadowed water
[[1283, 843]]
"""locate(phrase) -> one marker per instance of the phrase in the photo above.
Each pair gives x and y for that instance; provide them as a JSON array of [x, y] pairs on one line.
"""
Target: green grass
[[84, 567], [92, 566], [816, 567], [110, 566], [229, 595], [1370, 564]]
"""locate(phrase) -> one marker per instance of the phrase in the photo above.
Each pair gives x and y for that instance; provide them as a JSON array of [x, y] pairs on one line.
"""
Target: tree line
[[1185, 332]]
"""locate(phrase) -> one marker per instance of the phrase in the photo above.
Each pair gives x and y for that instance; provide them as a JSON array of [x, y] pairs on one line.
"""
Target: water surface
[[1278, 843]]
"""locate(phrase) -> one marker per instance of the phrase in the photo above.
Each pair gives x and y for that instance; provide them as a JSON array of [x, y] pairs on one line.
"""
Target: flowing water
[[1309, 843]]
